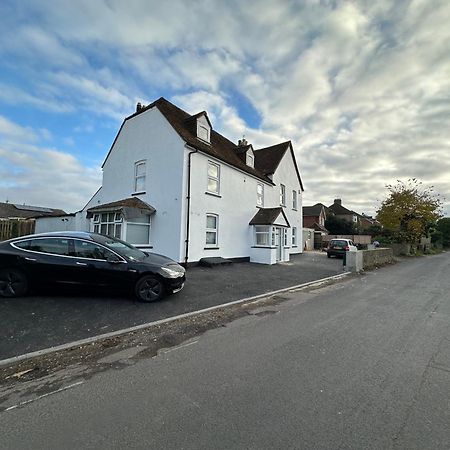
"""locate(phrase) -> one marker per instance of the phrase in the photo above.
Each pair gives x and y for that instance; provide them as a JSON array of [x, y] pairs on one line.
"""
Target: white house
[[174, 185]]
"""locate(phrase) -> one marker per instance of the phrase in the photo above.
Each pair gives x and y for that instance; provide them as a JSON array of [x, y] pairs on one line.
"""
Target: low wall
[[400, 249], [368, 259], [377, 257]]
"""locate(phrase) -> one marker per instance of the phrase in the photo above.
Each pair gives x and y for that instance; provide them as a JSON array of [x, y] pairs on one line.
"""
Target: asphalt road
[[36, 322], [363, 364]]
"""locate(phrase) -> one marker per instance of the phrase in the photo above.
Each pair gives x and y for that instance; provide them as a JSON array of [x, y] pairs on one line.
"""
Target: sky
[[361, 88]]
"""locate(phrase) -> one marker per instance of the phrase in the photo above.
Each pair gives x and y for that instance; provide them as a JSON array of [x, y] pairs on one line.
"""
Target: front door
[[279, 243]]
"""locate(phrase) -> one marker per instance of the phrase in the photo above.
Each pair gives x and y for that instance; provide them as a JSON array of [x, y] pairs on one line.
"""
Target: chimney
[[138, 107], [338, 201], [242, 142]]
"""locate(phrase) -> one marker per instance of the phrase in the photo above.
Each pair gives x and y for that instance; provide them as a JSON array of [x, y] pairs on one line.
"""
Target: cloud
[[34, 174], [361, 88]]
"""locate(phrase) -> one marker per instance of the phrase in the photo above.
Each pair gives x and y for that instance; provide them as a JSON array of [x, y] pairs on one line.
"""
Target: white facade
[[149, 160]]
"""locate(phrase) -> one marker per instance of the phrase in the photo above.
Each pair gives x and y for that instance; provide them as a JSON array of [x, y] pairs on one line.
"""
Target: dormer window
[[203, 129], [250, 159]]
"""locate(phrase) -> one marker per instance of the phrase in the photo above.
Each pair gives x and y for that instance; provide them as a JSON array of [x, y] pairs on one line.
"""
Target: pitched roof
[[314, 210], [268, 216], [11, 210], [340, 210], [132, 202], [318, 227], [268, 159], [219, 147]]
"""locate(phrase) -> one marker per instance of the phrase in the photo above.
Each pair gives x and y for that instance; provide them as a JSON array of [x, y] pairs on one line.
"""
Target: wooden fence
[[11, 228]]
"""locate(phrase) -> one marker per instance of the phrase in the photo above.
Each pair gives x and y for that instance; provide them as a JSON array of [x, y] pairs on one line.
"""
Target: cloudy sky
[[362, 88]]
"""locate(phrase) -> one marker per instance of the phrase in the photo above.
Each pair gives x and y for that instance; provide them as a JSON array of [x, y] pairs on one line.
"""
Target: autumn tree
[[410, 210]]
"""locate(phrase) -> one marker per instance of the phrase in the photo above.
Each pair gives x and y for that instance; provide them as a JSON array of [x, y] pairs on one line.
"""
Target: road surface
[[363, 364]]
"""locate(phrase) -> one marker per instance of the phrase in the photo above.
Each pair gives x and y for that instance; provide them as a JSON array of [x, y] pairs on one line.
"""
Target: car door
[[98, 266], [47, 260]]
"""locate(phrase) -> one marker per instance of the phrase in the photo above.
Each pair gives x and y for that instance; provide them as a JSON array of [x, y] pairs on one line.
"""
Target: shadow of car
[[85, 259]]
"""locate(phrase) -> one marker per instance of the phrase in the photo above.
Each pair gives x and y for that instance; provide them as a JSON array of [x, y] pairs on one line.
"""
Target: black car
[[90, 259]]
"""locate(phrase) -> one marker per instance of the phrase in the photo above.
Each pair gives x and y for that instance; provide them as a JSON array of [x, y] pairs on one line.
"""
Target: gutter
[[188, 209]]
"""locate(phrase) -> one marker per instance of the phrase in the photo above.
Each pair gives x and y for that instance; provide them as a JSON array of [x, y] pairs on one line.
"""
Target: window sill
[[294, 246], [211, 248], [262, 246], [143, 245], [213, 194], [138, 193], [294, 209]]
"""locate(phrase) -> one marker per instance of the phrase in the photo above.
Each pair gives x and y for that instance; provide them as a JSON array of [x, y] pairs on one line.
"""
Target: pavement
[[37, 322], [362, 364]]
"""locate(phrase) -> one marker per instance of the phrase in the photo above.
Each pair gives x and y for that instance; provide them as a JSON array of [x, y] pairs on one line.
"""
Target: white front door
[[279, 243]]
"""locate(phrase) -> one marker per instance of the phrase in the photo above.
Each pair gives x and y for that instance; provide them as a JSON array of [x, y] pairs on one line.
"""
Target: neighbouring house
[[343, 213], [174, 185], [365, 222], [314, 217], [18, 220]]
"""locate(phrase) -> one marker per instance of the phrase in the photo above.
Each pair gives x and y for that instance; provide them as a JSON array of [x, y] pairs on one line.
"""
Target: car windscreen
[[122, 248]]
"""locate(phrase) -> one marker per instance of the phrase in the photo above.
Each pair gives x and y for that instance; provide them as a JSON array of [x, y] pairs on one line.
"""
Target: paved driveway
[[36, 322]]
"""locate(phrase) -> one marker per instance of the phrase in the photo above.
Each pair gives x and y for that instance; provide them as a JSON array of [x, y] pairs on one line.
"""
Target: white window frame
[[142, 162], [294, 200], [249, 159], [208, 133], [212, 230], [260, 197], [267, 230], [294, 237], [282, 195], [210, 177], [139, 224], [117, 222], [285, 237]]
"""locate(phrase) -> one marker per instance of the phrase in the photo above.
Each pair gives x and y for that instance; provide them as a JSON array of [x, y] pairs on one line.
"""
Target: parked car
[[337, 247], [89, 259]]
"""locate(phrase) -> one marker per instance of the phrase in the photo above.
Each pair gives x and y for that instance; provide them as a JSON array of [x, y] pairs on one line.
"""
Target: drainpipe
[[188, 209]]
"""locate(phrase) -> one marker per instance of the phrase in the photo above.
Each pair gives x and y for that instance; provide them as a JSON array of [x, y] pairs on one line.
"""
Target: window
[[109, 224], [53, 246], [249, 159], [84, 249], [260, 194], [203, 133], [294, 236], [294, 200], [262, 236], [139, 176], [282, 195], [213, 178], [285, 237], [138, 230], [211, 230]]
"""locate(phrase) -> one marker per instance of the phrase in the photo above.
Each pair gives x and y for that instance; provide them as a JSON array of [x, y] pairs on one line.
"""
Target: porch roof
[[131, 208], [270, 216]]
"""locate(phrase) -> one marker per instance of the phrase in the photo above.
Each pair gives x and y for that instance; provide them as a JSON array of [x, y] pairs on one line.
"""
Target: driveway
[[36, 322]]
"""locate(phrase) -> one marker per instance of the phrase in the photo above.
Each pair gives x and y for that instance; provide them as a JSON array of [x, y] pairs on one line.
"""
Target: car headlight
[[173, 271]]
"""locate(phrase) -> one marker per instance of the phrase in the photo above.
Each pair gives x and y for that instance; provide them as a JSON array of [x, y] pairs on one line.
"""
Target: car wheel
[[149, 289], [13, 283]]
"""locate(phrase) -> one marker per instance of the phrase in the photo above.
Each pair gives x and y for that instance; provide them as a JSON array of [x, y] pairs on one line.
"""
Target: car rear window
[[53, 246], [338, 243], [22, 244]]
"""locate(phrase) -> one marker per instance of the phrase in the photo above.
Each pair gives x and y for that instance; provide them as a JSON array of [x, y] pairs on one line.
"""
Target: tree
[[339, 226], [443, 226], [410, 210]]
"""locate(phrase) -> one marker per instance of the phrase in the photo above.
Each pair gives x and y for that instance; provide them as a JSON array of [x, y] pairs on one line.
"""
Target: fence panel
[[11, 228]]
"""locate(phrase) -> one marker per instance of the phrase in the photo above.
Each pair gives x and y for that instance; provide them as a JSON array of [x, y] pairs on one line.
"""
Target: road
[[363, 364], [40, 321]]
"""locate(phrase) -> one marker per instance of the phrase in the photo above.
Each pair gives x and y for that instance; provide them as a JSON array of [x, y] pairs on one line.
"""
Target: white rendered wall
[[49, 224], [149, 137], [235, 206], [286, 174]]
